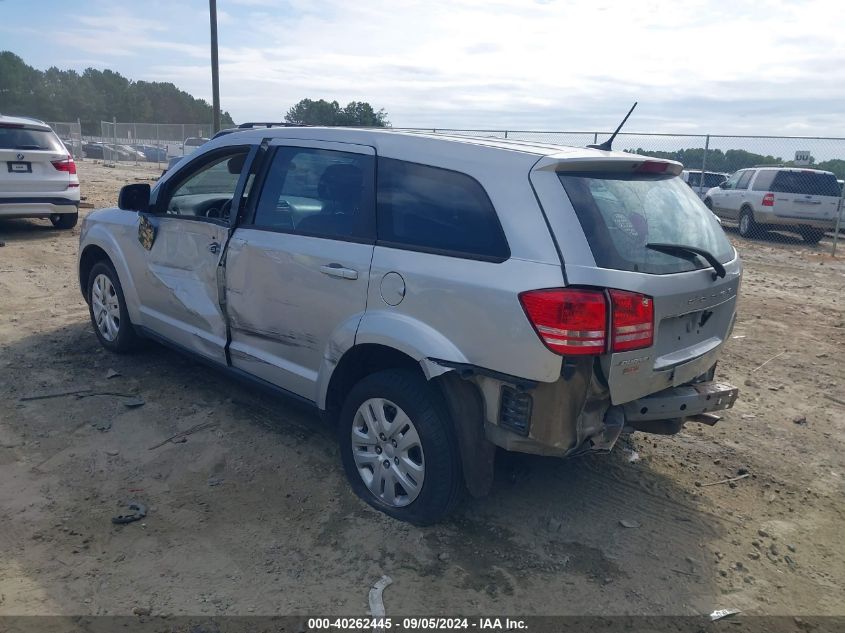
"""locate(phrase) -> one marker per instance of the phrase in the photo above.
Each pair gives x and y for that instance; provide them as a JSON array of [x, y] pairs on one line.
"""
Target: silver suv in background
[[795, 199], [37, 173], [435, 296]]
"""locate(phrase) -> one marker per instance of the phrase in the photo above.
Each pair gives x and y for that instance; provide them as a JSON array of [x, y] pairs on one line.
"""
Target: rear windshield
[[621, 213], [805, 182], [710, 179], [26, 138]]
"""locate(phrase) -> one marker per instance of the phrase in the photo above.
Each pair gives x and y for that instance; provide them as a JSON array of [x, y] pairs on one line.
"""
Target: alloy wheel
[[106, 307]]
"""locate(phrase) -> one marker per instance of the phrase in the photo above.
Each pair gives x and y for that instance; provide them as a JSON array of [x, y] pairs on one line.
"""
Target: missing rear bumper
[[666, 411]]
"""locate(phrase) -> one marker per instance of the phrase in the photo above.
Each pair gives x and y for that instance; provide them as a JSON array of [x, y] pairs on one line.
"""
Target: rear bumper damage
[[574, 416]]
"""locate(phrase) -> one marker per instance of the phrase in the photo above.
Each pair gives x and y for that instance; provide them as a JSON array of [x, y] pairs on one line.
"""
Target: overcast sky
[[764, 66]]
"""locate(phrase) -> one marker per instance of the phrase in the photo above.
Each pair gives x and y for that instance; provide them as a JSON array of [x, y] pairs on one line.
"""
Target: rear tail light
[[573, 321], [568, 321], [632, 321], [66, 164], [769, 200]]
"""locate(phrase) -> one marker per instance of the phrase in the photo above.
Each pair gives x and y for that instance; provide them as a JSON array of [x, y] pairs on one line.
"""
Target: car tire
[[107, 309], [747, 226], [65, 221], [398, 447], [812, 236]]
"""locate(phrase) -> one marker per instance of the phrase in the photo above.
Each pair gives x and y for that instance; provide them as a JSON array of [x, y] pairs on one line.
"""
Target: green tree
[[322, 112], [94, 96]]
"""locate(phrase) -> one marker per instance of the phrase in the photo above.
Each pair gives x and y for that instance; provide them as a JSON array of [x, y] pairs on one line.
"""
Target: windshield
[[27, 138], [620, 214]]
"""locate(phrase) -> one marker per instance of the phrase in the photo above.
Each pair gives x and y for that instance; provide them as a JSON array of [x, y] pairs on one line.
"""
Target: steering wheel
[[222, 212]]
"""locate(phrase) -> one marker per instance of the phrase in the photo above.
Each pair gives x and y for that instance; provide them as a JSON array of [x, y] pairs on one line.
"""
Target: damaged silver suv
[[437, 297]]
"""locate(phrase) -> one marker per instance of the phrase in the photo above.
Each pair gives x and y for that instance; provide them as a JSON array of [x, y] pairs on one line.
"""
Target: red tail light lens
[[632, 319], [769, 200], [652, 167], [66, 164], [569, 321]]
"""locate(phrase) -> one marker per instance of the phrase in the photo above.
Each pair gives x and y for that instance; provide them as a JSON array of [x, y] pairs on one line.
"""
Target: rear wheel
[[65, 220], [812, 236], [398, 448], [747, 226], [107, 308]]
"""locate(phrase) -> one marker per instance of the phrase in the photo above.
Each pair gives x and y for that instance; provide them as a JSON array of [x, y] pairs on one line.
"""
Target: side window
[[743, 181], [730, 183], [207, 192], [764, 180], [433, 209], [317, 192]]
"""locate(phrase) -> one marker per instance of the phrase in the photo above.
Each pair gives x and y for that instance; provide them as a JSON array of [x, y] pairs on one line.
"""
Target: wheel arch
[[102, 248]]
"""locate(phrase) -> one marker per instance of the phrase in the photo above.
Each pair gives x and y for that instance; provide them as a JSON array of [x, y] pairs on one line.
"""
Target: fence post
[[114, 136], [838, 222], [158, 147], [703, 164], [183, 139], [506, 133]]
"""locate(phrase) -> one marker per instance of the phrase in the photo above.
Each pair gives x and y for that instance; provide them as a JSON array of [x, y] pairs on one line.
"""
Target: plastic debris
[[138, 512], [376, 600], [627, 523], [723, 613]]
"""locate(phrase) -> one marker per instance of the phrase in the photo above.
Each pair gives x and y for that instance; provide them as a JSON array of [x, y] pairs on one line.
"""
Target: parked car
[[37, 173], [187, 147], [152, 153], [795, 199], [437, 297], [93, 150], [702, 185]]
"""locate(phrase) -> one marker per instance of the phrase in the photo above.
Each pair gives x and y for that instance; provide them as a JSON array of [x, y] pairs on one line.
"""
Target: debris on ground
[[214, 481], [181, 436], [800, 419], [133, 402], [730, 480], [376, 600], [102, 427], [628, 523], [137, 512], [142, 611], [723, 613], [112, 373]]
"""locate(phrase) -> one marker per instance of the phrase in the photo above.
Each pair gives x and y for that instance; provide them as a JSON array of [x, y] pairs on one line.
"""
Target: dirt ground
[[253, 515]]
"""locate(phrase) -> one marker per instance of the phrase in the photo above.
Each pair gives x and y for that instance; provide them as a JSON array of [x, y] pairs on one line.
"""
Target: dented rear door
[[297, 267]]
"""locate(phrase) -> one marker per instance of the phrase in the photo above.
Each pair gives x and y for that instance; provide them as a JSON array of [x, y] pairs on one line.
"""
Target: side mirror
[[134, 197], [723, 185]]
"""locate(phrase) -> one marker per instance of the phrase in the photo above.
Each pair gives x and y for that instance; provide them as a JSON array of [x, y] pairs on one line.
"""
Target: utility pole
[[215, 73]]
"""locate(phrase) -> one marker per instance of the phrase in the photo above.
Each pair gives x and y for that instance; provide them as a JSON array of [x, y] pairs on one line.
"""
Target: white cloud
[[760, 65]]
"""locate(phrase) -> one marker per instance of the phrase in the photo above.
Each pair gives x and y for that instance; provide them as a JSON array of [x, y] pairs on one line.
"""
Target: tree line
[[95, 95], [734, 159]]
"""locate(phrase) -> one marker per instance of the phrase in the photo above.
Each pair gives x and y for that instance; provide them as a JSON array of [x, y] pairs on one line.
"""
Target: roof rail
[[250, 125]]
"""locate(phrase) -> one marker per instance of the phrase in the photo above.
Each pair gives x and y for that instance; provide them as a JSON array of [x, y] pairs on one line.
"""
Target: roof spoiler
[[619, 163]]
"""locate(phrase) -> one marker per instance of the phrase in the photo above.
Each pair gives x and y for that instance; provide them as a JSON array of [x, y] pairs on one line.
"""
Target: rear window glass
[[25, 138], [621, 213], [437, 210], [806, 182], [710, 179]]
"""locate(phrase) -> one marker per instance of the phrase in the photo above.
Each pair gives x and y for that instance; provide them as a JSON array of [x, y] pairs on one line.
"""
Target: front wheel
[[107, 308], [398, 447], [65, 220]]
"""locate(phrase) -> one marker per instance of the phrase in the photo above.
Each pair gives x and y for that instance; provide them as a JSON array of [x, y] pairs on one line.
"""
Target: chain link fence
[[71, 135], [773, 188]]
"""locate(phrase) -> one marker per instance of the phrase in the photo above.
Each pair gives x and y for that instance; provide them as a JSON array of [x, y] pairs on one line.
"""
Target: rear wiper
[[683, 249]]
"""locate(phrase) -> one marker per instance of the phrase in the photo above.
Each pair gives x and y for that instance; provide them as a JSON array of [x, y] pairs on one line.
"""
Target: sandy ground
[[253, 515]]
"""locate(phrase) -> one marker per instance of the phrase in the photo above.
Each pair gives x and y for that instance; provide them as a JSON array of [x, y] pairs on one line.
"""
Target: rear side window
[[28, 138], [806, 182], [436, 210], [621, 213]]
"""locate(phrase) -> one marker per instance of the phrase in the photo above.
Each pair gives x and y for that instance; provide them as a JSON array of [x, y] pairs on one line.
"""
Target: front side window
[[436, 210], [730, 183], [743, 181], [622, 213], [318, 192], [208, 191]]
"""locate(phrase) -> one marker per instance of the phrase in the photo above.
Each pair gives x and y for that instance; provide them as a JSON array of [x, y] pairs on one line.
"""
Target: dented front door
[[180, 285]]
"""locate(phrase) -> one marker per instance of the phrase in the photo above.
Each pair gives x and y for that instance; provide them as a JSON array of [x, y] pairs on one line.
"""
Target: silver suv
[[437, 297], [795, 199]]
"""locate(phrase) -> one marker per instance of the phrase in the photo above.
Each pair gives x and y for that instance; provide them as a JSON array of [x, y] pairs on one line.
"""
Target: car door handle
[[336, 270], [214, 247]]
